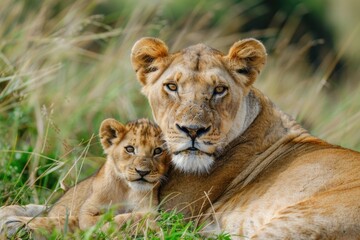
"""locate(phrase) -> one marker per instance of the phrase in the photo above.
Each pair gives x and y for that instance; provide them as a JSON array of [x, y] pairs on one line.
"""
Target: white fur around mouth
[[189, 162], [140, 186]]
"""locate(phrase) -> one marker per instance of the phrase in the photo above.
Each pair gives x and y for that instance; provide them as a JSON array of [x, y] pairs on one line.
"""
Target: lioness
[[136, 164], [238, 159], [261, 175]]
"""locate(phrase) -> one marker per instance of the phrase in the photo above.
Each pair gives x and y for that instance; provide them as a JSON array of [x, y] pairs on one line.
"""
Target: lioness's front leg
[[48, 224], [30, 210], [8, 213]]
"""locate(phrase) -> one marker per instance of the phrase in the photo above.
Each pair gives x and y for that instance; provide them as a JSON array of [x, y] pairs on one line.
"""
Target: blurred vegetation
[[64, 67]]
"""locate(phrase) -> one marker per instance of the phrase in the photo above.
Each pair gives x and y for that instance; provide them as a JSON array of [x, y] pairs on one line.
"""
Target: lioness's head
[[136, 150], [198, 95]]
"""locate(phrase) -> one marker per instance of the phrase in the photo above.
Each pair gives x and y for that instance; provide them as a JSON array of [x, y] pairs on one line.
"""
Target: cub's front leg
[[143, 220], [121, 219], [90, 213]]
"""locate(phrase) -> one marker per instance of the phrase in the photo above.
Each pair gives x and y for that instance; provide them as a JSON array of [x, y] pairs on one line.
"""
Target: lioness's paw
[[30, 210], [10, 226]]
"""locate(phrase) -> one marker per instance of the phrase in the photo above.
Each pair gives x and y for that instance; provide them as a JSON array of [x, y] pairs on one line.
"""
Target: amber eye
[[171, 86], [130, 149], [220, 90], [157, 151]]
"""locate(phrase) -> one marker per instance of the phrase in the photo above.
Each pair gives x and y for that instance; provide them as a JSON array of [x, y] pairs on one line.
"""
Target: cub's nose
[[142, 173], [193, 131]]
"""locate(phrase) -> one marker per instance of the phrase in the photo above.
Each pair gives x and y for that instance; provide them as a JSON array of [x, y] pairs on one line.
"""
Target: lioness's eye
[[129, 149], [171, 86], [220, 90], [157, 151]]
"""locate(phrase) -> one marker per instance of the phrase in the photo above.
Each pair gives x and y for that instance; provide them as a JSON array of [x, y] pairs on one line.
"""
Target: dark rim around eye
[[244, 71], [157, 151], [171, 87], [221, 91], [129, 149]]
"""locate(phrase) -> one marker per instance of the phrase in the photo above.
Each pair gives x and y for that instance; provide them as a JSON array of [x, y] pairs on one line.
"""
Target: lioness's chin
[[140, 186], [189, 162]]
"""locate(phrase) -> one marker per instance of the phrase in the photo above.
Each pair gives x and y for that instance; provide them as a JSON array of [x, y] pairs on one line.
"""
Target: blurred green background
[[65, 67]]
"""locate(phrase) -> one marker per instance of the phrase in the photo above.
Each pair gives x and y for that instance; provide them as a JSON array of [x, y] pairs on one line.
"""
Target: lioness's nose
[[142, 173], [193, 131]]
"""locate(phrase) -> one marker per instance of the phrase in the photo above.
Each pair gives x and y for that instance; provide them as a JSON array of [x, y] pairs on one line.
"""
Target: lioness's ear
[[247, 57], [146, 55], [110, 132]]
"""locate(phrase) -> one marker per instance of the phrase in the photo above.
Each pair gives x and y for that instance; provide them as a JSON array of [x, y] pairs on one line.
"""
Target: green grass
[[64, 69], [173, 226]]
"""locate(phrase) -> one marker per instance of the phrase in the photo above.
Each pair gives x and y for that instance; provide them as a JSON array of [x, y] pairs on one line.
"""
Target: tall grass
[[64, 69]]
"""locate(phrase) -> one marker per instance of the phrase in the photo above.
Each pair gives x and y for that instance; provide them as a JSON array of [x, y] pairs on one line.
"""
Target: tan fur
[[116, 185], [255, 173], [262, 176]]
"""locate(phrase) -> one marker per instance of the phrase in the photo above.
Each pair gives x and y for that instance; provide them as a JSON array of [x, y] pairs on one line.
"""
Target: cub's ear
[[247, 57], [146, 57], [111, 131]]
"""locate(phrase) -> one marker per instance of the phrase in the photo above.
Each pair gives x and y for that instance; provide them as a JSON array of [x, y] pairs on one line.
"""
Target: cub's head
[[136, 151], [198, 95]]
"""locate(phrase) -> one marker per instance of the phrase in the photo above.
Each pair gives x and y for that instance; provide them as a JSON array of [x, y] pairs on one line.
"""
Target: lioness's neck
[[263, 124], [249, 109], [270, 130]]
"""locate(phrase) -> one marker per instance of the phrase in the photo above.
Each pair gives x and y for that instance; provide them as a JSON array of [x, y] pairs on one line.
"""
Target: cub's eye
[[171, 86], [130, 149], [220, 90], [244, 71], [157, 151]]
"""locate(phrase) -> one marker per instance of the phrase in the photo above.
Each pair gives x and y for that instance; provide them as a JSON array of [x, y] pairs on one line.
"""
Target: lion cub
[[129, 180], [136, 164]]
